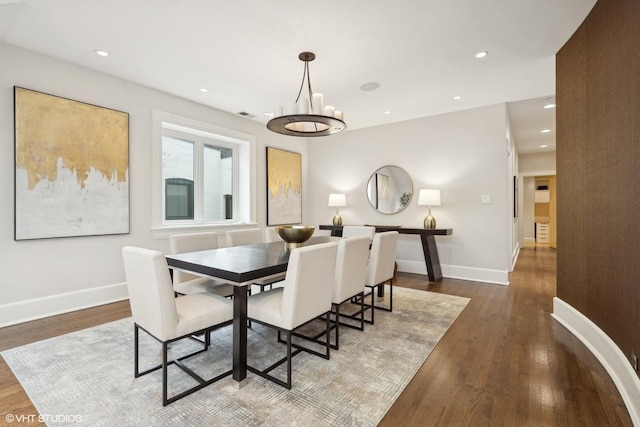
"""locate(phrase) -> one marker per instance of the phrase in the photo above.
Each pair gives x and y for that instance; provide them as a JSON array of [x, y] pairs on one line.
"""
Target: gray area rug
[[87, 375]]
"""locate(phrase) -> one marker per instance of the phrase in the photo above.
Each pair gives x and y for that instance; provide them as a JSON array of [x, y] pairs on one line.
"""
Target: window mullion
[[198, 179]]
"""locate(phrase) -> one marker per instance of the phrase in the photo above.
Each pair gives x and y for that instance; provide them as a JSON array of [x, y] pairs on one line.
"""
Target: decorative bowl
[[294, 235]]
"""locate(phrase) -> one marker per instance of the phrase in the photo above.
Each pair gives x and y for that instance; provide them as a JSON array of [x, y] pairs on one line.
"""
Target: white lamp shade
[[429, 198], [337, 200]]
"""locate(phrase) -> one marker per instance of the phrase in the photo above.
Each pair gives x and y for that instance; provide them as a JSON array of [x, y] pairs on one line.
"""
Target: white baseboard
[[38, 308], [457, 272], [514, 257], [606, 351]]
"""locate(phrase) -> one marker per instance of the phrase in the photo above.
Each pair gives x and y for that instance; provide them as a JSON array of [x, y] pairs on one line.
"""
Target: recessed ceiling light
[[545, 131], [457, 97], [204, 90], [102, 53], [544, 146], [387, 112], [369, 86], [482, 54], [549, 105]]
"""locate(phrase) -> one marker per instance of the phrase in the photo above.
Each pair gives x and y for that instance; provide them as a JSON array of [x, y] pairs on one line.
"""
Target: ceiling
[[245, 53]]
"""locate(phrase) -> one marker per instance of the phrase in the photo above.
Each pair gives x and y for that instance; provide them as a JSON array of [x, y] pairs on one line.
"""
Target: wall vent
[[248, 115]]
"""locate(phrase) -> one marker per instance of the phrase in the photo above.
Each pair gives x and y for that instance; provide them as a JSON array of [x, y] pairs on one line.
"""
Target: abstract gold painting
[[284, 187], [71, 168]]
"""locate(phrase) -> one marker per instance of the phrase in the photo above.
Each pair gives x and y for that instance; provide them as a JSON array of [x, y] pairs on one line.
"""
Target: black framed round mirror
[[389, 189]]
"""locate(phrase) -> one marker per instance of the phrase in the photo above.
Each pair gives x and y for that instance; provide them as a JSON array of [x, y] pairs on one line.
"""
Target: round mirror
[[389, 189]]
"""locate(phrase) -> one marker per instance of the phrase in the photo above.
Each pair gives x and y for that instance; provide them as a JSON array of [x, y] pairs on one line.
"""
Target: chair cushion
[[270, 279], [199, 311], [202, 284], [266, 307]]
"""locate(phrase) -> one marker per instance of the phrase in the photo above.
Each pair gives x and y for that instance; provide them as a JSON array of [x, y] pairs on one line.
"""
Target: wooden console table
[[428, 244]]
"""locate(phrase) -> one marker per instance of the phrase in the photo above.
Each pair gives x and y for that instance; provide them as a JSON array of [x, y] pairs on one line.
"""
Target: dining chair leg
[[362, 313], [136, 365], [381, 285], [328, 333], [289, 359], [373, 308], [164, 374], [337, 346]]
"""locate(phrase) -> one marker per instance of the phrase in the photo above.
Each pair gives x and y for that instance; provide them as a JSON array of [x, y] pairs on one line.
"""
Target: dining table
[[240, 266]]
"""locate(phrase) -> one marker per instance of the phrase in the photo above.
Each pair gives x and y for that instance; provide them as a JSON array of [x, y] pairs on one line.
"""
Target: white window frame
[[244, 176]]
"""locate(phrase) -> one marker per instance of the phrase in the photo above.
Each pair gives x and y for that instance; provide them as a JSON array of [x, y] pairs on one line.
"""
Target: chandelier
[[307, 116]]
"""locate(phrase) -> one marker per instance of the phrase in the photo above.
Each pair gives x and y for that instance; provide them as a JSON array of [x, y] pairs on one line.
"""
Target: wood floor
[[504, 362]]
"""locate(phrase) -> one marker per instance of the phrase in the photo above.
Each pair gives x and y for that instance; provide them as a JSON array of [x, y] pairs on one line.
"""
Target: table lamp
[[429, 198], [337, 200]]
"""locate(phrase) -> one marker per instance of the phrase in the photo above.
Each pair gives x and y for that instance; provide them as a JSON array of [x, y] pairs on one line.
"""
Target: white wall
[[513, 197], [537, 163], [43, 277], [463, 154]]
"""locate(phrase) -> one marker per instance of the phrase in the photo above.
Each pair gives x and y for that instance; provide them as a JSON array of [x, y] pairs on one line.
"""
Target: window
[[178, 198], [204, 174]]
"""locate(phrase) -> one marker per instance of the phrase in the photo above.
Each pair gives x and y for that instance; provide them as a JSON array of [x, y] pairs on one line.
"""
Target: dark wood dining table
[[239, 266]]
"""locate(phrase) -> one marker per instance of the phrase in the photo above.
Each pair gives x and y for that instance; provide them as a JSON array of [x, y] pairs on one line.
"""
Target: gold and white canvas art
[[284, 187], [71, 168]]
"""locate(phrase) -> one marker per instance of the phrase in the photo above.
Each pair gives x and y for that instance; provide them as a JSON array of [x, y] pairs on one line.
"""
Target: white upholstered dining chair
[[160, 314], [349, 282], [358, 230], [324, 233], [187, 283], [380, 269], [306, 295], [348, 285], [271, 235], [252, 236]]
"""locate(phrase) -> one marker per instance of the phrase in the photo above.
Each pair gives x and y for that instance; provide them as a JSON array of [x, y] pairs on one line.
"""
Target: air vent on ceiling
[[248, 115]]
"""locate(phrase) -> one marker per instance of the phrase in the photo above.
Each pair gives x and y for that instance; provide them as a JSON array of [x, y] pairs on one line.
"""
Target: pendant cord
[[302, 83], [309, 85], [315, 125], [308, 76]]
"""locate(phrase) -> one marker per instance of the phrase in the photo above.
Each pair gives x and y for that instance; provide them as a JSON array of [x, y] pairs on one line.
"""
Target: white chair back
[[180, 243], [151, 296], [251, 236], [358, 230], [351, 268], [308, 284], [271, 235], [317, 232], [382, 258]]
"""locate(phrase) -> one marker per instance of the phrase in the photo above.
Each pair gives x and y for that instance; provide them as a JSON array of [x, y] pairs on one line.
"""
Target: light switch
[[485, 199]]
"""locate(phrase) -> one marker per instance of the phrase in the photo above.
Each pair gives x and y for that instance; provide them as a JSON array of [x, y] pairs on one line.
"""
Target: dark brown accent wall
[[598, 170]]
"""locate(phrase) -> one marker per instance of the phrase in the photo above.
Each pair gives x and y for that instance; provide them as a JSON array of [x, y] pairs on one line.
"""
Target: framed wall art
[[284, 187], [71, 168]]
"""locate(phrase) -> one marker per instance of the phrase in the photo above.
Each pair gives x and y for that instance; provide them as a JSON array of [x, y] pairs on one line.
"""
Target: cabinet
[[544, 216], [541, 196], [542, 232]]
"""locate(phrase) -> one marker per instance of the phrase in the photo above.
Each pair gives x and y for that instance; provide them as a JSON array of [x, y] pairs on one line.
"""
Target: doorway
[[538, 224]]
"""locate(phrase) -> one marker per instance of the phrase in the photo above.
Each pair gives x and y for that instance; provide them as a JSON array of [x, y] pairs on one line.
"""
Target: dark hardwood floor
[[504, 362]]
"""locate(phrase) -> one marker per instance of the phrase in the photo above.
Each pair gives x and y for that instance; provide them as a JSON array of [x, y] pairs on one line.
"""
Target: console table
[[426, 236]]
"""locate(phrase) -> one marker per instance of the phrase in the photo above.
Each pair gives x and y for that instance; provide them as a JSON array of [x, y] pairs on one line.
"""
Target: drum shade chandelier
[[307, 116]]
